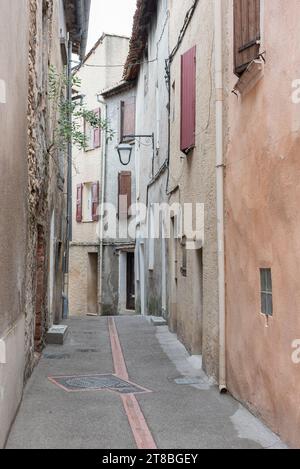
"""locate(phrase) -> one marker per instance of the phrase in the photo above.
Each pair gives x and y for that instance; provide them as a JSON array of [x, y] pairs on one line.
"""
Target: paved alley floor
[[181, 411]]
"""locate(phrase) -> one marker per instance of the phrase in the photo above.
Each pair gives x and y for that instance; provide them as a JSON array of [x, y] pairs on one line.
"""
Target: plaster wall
[[193, 180], [262, 223], [87, 165], [111, 302], [13, 179], [152, 117]]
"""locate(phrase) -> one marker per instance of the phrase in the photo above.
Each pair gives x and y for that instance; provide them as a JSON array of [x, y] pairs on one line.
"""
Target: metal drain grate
[[185, 381], [56, 356], [97, 383]]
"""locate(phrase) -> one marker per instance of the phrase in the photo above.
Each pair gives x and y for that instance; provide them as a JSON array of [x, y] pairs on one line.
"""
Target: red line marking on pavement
[[117, 353], [138, 424]]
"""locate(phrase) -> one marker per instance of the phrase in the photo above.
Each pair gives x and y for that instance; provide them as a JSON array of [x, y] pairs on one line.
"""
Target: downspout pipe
[[220, 191], [103, 190], [83, 13]]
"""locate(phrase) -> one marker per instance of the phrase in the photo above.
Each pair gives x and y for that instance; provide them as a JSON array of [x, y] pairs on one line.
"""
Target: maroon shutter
[[95, 200], [79, 203], [246, 33], [97, 132], [124, 201], [127, 117], [188, 100]]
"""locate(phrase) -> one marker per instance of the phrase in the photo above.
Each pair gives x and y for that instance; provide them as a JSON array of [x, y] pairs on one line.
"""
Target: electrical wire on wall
[[187, 20]]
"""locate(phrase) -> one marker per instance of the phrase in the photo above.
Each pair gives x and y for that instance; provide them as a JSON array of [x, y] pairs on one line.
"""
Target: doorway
[[198, 303], [130, 282], [92, 289]]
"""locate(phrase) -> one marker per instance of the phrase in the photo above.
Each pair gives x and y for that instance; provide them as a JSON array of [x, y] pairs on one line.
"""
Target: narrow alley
[[149, 225], [164, 412]]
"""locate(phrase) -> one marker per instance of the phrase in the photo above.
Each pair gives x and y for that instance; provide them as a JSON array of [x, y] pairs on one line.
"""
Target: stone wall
[[45, 194]]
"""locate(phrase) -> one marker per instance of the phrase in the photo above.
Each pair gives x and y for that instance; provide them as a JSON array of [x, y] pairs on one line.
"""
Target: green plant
[[70, 115]]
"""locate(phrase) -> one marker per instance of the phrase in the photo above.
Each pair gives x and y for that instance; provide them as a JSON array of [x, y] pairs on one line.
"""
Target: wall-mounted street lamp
[[125, 149]]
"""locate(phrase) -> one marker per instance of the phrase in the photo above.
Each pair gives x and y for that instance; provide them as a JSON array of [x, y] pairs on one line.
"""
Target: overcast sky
[[110, 16]]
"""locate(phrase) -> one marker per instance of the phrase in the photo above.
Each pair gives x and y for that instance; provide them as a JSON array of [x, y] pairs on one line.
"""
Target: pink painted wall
[[262, 191]]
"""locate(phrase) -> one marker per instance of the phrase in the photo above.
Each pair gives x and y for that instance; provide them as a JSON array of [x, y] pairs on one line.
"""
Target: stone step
[[56, 335]]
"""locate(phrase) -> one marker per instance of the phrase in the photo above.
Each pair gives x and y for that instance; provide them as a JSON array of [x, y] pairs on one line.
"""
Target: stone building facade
[[32, 36], [149, 48], [117, 295], [85, 262]]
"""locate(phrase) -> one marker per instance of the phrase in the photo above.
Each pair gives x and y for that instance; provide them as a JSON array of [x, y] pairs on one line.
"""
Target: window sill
[[251, 76]]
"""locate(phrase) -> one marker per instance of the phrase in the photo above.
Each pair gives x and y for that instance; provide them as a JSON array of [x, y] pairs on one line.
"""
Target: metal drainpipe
[[69, 189], [103, 177], [220, 191]]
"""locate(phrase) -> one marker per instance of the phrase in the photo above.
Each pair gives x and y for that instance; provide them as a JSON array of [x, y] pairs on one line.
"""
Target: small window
[[87, 202], [184, 257], [92, 134], [89, 136], [266, 292]]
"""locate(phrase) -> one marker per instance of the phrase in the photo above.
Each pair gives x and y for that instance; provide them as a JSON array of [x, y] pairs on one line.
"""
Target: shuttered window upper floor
[[127, 118], [188, 100], [247, 33]]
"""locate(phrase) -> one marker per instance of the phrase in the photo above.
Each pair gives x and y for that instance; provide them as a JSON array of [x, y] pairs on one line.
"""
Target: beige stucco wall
[[78, 290], [262, 224], [87, 166], [195, 177], [13, 217]]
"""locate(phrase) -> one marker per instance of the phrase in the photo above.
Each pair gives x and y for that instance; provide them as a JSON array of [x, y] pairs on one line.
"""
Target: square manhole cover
[[97, 383]]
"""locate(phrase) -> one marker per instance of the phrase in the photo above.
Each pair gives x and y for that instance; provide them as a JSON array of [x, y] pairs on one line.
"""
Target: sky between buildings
[[110, 16]]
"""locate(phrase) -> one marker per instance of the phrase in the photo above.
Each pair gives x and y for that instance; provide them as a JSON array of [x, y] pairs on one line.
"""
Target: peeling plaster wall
[[262, 224]]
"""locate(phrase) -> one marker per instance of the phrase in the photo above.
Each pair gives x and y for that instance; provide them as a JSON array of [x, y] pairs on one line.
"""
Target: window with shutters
[[79, 203], [97, 131], [88, 202], [92, 134], [124, 194], [247, 33], [127, 118], [188, 100], [95, 201]]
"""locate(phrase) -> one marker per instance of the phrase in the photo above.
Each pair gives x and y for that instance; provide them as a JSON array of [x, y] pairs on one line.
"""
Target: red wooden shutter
[[79, 203], [95, 200], [127, 111], [124, 193], [188, 100], [97, 132], [246, 33]]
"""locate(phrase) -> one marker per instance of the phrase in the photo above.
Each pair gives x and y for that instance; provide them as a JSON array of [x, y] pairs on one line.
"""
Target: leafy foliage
[[71, 129]]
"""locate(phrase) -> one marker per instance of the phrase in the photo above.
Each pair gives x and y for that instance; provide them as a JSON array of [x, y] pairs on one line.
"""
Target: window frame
[[266, 292]]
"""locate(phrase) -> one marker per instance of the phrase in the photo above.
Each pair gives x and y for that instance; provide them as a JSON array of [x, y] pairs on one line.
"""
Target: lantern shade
[[124, 151]]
